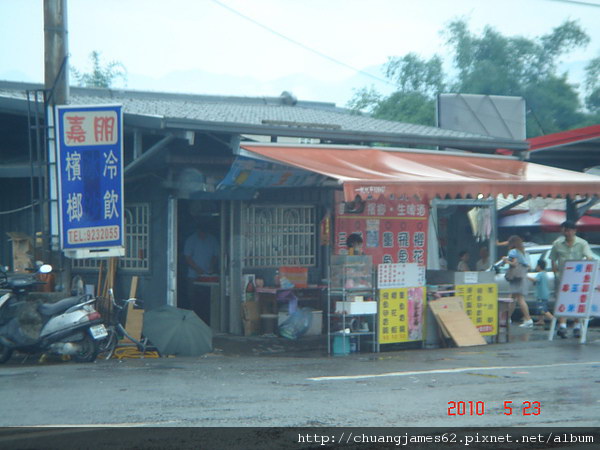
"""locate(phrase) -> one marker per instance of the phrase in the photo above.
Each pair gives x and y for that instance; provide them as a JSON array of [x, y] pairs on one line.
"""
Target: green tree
[[552, 105], [491, 64], [409, 107], [102, 75], [413, 74], [592, 85], [418, 83]]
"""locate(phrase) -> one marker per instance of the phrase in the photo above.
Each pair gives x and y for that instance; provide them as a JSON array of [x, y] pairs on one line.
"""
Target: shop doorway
[[203, 294], [463, 226]]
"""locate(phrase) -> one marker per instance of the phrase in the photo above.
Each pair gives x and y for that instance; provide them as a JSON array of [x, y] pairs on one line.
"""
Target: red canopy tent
[[547, 220], [365, 172]]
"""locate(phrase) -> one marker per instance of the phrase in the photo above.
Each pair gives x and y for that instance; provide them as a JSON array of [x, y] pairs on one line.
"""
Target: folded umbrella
[[177, 331]]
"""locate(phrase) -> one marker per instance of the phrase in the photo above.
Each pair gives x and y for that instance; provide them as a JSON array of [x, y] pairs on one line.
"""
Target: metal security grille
[[279, 236], [137, 241]]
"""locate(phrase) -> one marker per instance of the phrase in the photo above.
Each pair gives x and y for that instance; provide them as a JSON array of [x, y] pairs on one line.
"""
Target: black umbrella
[[177, 331]]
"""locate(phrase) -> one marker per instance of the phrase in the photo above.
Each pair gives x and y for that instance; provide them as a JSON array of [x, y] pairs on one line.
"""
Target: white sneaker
[[527, 324]]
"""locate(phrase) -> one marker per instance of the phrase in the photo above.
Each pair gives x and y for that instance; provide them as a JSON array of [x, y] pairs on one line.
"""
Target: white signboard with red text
[[399, 275], [90, 179], [577, 289]]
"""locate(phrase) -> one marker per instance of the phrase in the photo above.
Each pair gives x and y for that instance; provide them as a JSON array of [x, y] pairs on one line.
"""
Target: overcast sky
[[314, 48]]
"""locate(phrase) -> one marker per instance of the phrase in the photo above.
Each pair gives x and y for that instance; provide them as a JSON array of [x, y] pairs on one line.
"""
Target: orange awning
[[367, 171]]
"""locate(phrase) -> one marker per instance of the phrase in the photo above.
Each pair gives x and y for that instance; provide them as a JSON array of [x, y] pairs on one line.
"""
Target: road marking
[[436, 371], [97, 425]]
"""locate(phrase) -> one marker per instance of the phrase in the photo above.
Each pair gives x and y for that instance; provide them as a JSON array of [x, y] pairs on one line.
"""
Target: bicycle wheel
[[107, 346]]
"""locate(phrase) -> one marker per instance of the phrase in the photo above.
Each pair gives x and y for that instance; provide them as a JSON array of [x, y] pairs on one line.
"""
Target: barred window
[[137, 241], [279, 236]]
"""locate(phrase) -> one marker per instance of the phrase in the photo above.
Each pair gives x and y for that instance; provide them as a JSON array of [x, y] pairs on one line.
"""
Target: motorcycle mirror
[[45, 268]]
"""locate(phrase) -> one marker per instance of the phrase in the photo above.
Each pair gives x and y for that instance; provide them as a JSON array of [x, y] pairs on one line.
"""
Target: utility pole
[[56, 73], [56, 84]]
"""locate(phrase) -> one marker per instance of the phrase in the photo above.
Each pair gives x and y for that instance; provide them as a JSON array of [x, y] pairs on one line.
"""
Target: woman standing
[[519, 286]]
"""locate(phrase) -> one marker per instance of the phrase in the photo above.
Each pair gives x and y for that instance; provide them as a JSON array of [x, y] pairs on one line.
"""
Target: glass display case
[[352, 305]]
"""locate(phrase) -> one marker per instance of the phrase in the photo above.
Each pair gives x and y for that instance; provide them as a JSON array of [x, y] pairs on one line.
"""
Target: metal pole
[[32, 173]]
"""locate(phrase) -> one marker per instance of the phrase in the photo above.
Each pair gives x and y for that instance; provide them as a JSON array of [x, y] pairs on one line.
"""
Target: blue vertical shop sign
[[90, 176]]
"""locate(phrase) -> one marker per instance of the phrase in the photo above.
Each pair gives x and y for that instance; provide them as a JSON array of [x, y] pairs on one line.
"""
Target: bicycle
[[116, 330]]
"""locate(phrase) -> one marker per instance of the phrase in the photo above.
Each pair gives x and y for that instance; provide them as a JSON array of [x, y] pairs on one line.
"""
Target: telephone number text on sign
[[93, 234]]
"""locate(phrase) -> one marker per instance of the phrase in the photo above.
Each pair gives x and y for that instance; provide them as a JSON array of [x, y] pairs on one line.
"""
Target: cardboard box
[[22, 251], [251, 318], [356, 307], [298, 276], [251, 327]]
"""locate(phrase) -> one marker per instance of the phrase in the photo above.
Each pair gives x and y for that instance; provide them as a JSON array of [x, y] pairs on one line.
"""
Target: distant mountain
[[200, 82], [302, 86]]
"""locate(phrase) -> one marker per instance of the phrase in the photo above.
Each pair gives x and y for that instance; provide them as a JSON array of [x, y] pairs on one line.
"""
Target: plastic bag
[[297, 324]]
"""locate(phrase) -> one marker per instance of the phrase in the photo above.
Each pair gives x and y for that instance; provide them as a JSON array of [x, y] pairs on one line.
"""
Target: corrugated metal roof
[[269, 115]]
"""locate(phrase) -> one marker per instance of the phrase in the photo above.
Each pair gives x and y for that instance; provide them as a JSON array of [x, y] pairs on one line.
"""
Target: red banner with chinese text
[[393, 231]]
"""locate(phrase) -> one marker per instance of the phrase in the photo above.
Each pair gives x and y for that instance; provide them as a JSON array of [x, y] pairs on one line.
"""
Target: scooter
[[70, 326]]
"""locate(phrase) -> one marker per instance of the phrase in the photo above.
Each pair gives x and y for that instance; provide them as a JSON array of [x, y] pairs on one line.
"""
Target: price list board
[[481, 305], [401, 314]]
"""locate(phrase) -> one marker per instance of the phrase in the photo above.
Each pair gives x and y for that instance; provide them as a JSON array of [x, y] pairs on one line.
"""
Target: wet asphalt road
[[262, 388]]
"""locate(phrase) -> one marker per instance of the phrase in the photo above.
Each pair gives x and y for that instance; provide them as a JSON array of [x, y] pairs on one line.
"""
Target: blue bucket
[[341, 345]]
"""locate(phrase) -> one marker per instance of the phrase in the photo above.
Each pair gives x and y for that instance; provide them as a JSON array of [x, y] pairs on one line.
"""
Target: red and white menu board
[[576, 289], [400, 275]]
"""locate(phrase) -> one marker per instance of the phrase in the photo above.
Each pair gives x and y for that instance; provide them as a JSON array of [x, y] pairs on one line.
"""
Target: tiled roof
[[281, 115]]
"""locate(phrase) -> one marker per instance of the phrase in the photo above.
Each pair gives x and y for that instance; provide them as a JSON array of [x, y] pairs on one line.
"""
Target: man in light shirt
[[568, 247]]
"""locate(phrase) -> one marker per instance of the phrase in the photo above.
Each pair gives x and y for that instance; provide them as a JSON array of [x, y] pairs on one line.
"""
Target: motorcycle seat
[[50, 309]]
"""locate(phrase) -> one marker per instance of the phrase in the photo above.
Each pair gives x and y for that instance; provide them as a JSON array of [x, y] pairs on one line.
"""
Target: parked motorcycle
[[70, 326]]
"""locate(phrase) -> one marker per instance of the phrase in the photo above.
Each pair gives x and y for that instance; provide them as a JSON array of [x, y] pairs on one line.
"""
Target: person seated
[[354, 244], [463, 263], [484, 260]]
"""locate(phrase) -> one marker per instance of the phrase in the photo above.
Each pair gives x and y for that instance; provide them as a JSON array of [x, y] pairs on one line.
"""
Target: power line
[[577, 2], [300, 44]]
